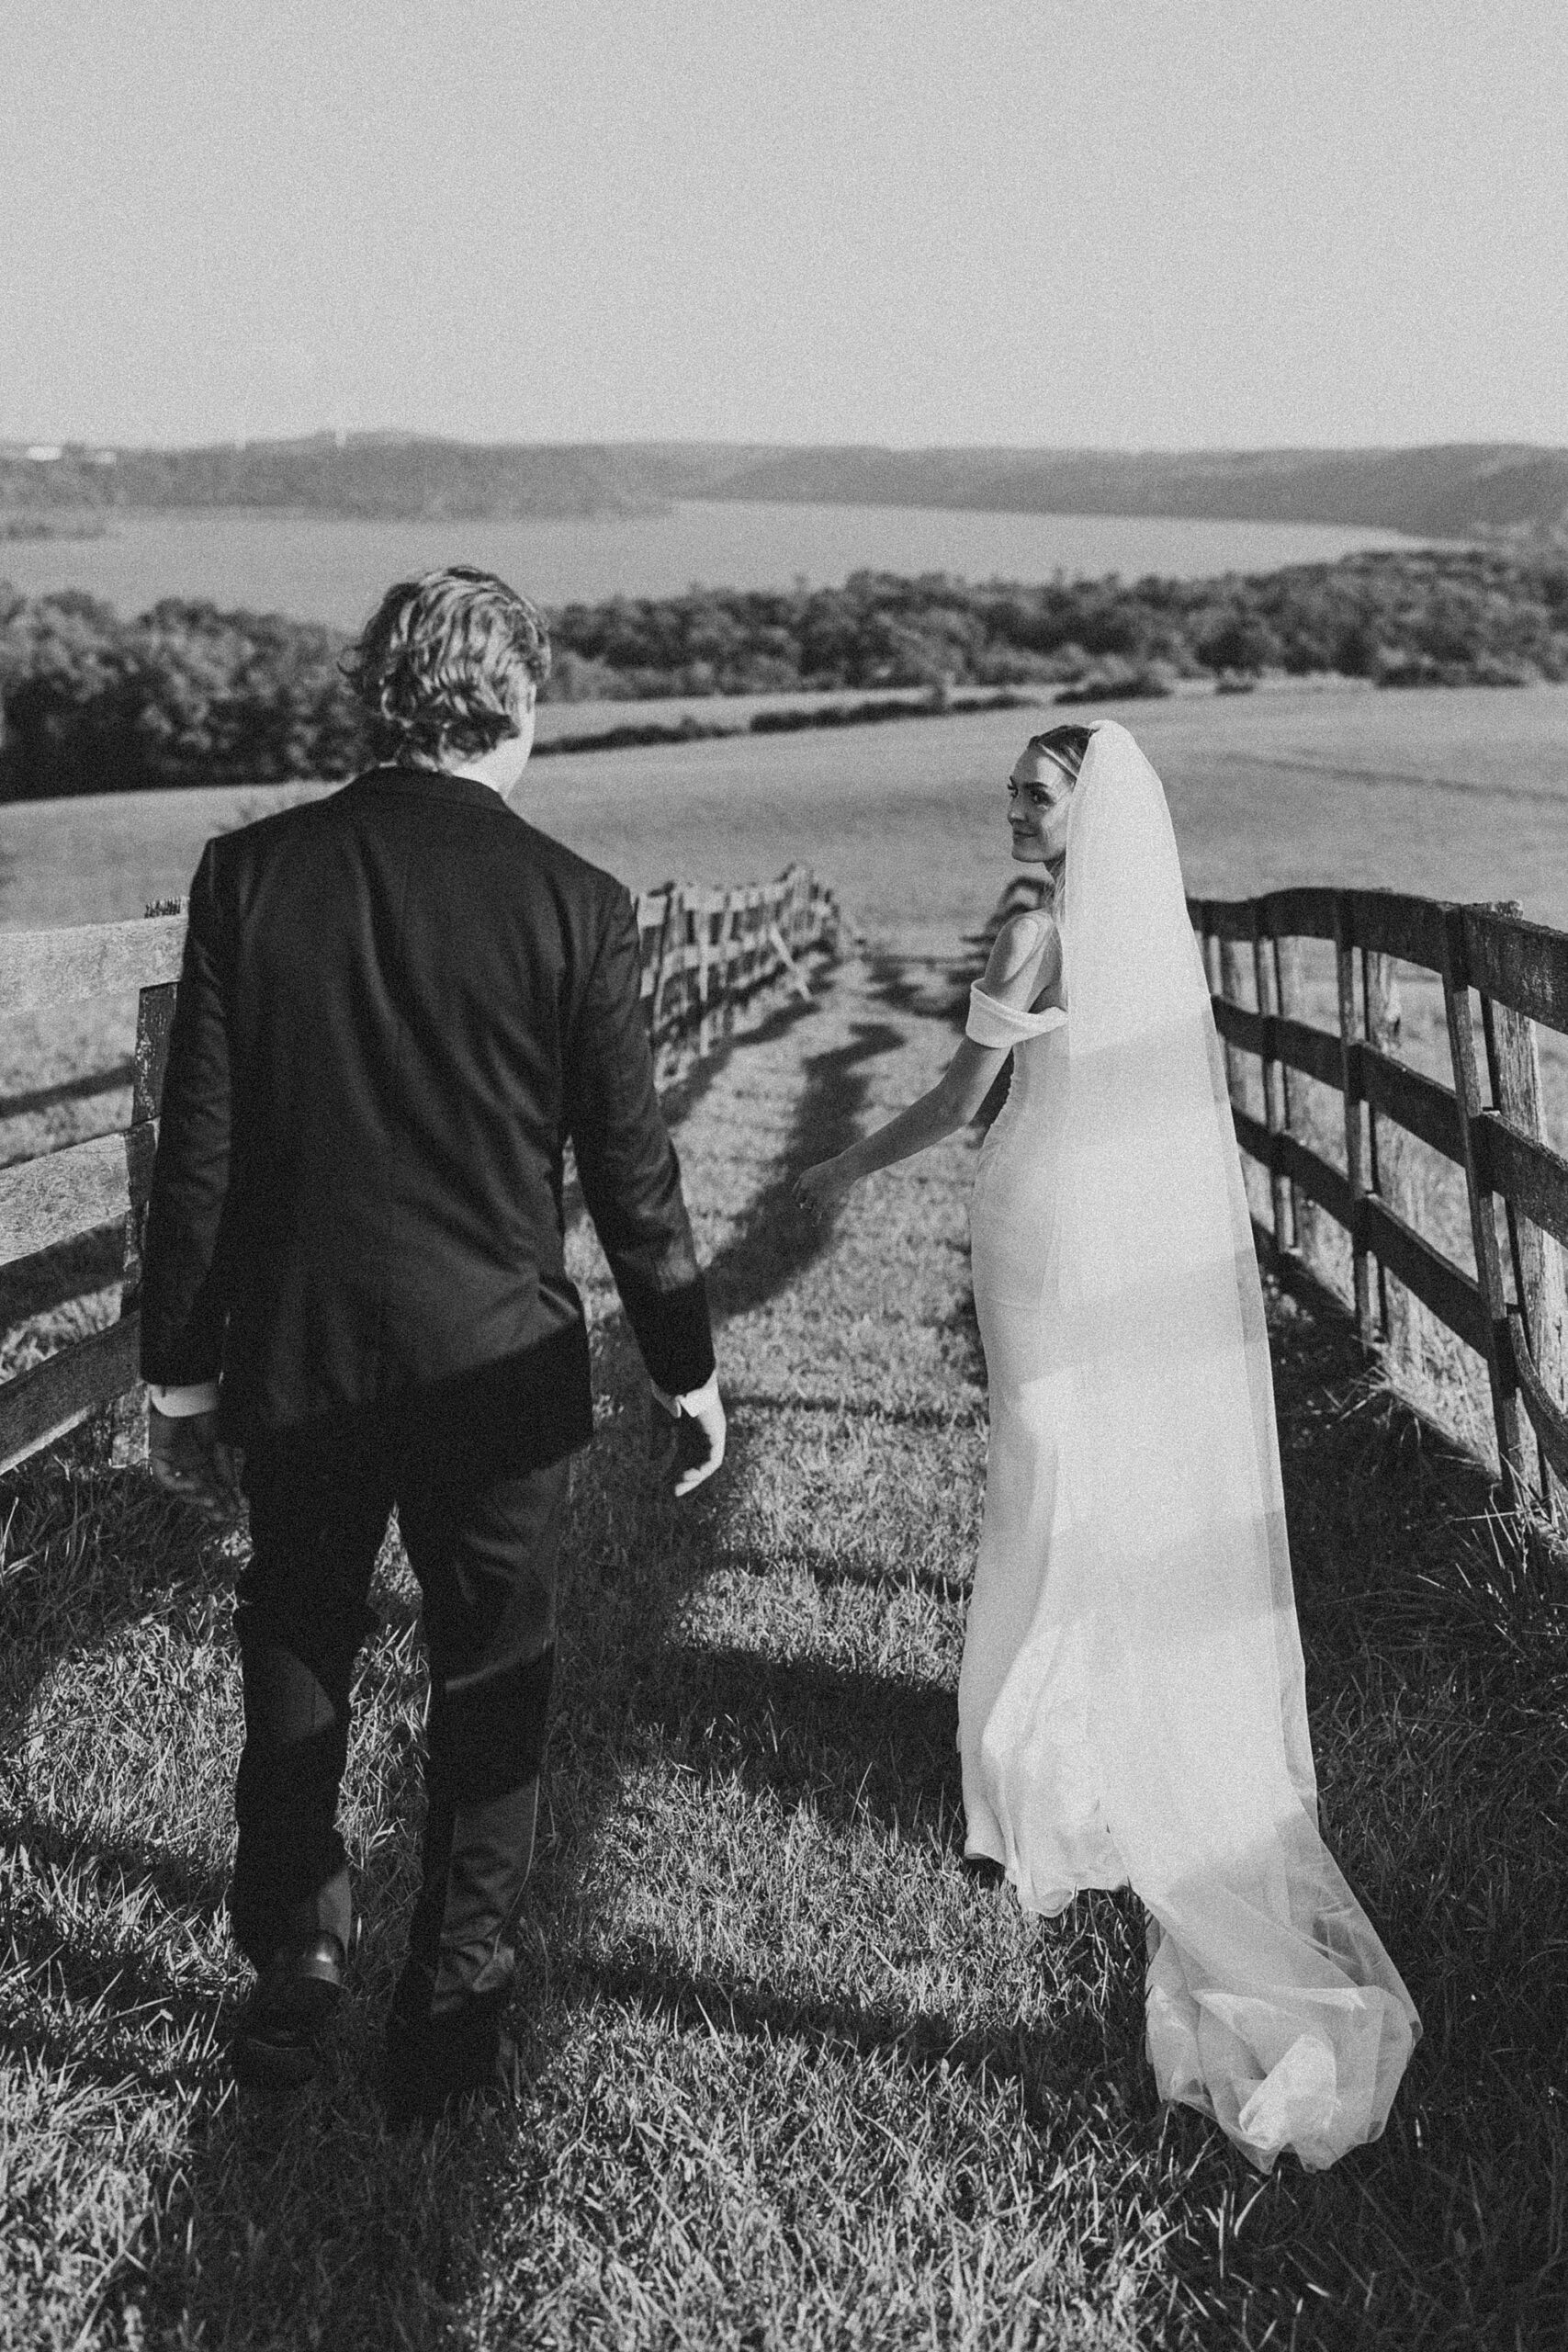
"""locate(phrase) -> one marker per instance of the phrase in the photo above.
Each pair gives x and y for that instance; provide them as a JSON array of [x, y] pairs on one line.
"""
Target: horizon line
[[44, 447]]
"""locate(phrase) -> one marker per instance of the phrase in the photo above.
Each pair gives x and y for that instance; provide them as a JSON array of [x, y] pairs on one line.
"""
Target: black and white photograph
[[784, 1177]]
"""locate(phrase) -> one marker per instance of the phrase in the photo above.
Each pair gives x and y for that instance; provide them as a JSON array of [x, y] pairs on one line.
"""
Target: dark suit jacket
[[397, 1003]]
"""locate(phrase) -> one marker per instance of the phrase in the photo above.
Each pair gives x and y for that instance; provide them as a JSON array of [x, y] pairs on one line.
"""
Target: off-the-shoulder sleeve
[[993, 1024]]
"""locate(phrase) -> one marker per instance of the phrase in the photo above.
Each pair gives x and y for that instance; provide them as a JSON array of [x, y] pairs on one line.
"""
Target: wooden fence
[[1499, 976], [704, 953]]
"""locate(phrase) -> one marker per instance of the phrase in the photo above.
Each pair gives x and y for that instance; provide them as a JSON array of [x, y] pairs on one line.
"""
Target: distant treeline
[[186, 694]]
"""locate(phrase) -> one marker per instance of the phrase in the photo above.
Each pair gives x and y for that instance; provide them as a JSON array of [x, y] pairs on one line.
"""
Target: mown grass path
[[797, 2079]]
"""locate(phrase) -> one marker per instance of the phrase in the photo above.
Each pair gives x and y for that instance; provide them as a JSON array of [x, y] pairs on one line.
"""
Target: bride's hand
[[822, 1188]]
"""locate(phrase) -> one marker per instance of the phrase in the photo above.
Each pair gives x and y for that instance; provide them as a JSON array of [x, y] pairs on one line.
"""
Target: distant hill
[[360, 474], [1440, 493], [1511, 491]]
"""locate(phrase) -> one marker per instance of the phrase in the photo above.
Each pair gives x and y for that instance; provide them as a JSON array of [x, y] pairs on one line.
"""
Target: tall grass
[[796, 2078]]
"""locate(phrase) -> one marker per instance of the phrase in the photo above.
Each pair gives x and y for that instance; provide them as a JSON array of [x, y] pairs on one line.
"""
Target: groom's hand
[[699, 1433], [188, 1457]]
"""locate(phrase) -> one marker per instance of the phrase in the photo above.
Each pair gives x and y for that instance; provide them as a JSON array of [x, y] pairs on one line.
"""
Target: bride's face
[[1040, 794]]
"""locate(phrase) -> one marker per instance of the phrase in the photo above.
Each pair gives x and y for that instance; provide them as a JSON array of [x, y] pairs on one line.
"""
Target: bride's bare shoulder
[[1025, 958]]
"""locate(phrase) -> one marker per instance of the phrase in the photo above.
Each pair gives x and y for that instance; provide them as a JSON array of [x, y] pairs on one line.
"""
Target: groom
[[397, 1004]]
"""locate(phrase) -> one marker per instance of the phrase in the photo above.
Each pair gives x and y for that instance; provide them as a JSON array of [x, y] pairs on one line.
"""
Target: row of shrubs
[[186, 694]]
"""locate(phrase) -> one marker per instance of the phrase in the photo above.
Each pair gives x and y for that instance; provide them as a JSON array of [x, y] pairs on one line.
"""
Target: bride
[[1131, 1703]]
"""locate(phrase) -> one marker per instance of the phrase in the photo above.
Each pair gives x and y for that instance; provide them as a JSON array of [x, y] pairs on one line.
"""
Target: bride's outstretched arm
[[1025, 958]]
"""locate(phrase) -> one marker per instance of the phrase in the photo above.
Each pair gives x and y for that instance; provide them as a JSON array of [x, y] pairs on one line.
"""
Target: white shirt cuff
[[691, 1401], [179, 1404]]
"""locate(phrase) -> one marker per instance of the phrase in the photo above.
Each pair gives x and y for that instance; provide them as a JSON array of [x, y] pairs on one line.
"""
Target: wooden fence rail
[[704, 953], [1511, 1311]]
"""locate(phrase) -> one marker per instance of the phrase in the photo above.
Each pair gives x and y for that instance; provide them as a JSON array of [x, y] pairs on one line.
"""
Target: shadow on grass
[[1053, 2072], [856, 1747], [66, 1090], [777, 1240], [961, 1415], [831, 1571], [88, 1552], [69, 1270]]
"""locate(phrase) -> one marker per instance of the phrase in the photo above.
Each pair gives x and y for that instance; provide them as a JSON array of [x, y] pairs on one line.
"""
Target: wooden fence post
[[650, 947], [755, 932], [154, 1019], [1392, 1171], [669, 928], [1505, 1408], [1280, 1190], [1290, 995], [802, 928], [1230, 989], [734, 953], [1537, 1258], [1354, 1125], [707, 906]]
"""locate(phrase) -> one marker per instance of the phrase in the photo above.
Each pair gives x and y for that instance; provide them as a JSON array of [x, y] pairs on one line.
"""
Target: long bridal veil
[[1271, 2004]]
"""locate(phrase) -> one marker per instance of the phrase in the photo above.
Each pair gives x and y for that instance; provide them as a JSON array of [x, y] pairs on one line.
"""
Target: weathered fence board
[[39, 969], [1297, 914], [1422, 1105], [1382, 922], [1451, 1293], [1286, 1155], [75, 1191], [1522, 965], [40, 1405], [1276, 1037], [1531, 1175]]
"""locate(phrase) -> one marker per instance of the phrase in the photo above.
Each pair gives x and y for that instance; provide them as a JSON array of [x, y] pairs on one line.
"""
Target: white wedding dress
[[1132, 1701]]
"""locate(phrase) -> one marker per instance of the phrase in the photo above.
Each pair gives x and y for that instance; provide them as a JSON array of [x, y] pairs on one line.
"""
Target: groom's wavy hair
[[439, 664]]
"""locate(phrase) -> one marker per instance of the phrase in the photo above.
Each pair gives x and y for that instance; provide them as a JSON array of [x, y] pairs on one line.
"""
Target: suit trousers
[[483, 1541]]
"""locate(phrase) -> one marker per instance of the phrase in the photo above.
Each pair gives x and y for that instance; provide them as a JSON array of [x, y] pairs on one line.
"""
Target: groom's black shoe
[[278, 2042], [433, 2069]]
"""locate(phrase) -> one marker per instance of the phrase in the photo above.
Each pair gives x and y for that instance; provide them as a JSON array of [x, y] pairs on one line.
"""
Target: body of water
[[330, 569]]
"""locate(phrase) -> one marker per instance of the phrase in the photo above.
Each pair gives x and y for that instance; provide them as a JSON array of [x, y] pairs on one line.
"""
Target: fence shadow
[[67, 1090]]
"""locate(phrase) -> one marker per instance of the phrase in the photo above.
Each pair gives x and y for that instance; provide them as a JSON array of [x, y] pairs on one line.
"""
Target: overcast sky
[[1114, 223]]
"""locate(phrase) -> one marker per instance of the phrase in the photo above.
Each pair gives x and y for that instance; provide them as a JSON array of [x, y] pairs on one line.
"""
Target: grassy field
[[1461, 794], [797, 2079]]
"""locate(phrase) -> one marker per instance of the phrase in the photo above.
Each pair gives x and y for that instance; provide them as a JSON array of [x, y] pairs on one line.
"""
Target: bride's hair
[[1065, 745]]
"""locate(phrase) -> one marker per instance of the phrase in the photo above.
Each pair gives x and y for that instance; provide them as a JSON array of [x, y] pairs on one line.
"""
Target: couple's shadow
[[803, 1729]]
